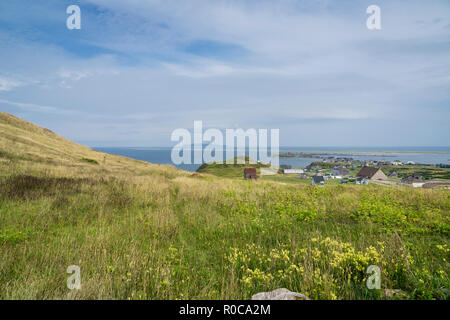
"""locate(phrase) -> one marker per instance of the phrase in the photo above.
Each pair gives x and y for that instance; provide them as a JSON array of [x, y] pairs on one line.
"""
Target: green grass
[[234, 170], [142, 231], [211, 238], [291, 179], [90, 161]]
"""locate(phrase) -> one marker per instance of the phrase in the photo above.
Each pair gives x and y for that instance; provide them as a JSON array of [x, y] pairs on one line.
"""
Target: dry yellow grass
[[39, 149], [145, 231]]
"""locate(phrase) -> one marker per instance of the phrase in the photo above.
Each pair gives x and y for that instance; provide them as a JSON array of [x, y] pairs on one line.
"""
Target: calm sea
[[424, 155]]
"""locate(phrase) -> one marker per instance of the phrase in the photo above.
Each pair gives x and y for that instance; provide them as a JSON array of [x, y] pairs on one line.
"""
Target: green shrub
[[90, 161]]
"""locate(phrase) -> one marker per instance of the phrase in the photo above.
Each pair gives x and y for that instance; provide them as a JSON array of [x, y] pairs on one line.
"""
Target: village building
[[318, 180], [393, 173], [341, 172], [417, 176], [312, 167], [371, 173], [361, 181], [293, 171], [250, 173], [413, 181]]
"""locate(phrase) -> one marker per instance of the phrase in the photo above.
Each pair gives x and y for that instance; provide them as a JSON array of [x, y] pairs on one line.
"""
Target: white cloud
[[303, 61], [9, 84]]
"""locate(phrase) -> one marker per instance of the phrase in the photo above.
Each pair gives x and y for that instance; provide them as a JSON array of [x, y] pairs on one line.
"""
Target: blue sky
[[137, 70]]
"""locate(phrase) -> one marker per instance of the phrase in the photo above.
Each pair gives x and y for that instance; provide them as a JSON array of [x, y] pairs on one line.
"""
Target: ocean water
[[424, 155], [152, 155]]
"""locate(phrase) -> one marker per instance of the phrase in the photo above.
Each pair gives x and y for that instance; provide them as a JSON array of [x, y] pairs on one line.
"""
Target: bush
[[90, 161]]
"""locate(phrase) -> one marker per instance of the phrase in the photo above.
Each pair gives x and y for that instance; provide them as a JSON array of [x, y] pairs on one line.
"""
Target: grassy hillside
[[25, 145], [230, 170], [143, 231]]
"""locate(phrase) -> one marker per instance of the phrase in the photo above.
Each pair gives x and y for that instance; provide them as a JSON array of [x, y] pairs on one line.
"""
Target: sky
[[138, 70]]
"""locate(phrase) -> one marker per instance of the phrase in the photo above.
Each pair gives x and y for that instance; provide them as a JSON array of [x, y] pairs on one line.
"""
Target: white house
[[293, 171], [418, 184], [413, 182]]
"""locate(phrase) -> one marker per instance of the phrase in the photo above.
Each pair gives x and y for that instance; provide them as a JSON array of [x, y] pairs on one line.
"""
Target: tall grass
[[143, 231], [158, 233]]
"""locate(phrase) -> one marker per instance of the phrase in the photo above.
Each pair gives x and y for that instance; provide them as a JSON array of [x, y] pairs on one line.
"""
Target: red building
[[250, 173]]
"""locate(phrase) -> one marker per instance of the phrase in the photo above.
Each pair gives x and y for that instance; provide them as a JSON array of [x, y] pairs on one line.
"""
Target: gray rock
[[395, 293], [279, 294]]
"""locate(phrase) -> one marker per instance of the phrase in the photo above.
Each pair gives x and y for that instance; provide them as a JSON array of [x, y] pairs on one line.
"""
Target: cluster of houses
[[338, 159], [363, 177], [363, 163], [388, 163], [416, 181]]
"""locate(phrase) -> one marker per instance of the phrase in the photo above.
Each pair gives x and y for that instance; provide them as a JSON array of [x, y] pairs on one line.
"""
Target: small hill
[[230, 170], [23, 142]]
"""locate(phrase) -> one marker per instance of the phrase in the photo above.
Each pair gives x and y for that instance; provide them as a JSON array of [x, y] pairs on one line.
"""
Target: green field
[[144, 231]]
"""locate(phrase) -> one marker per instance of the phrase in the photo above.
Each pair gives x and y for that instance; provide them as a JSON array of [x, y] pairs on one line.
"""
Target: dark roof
[[318, 179], [367, 172], [411, 180], [250, 170]]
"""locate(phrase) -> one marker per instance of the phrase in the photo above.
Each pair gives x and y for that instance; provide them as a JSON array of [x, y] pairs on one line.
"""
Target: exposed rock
[[279, 294], [395, 293]]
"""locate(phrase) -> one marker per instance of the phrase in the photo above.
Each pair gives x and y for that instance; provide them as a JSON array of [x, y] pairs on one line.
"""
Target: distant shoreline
[[324, 152], [305, 150]]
